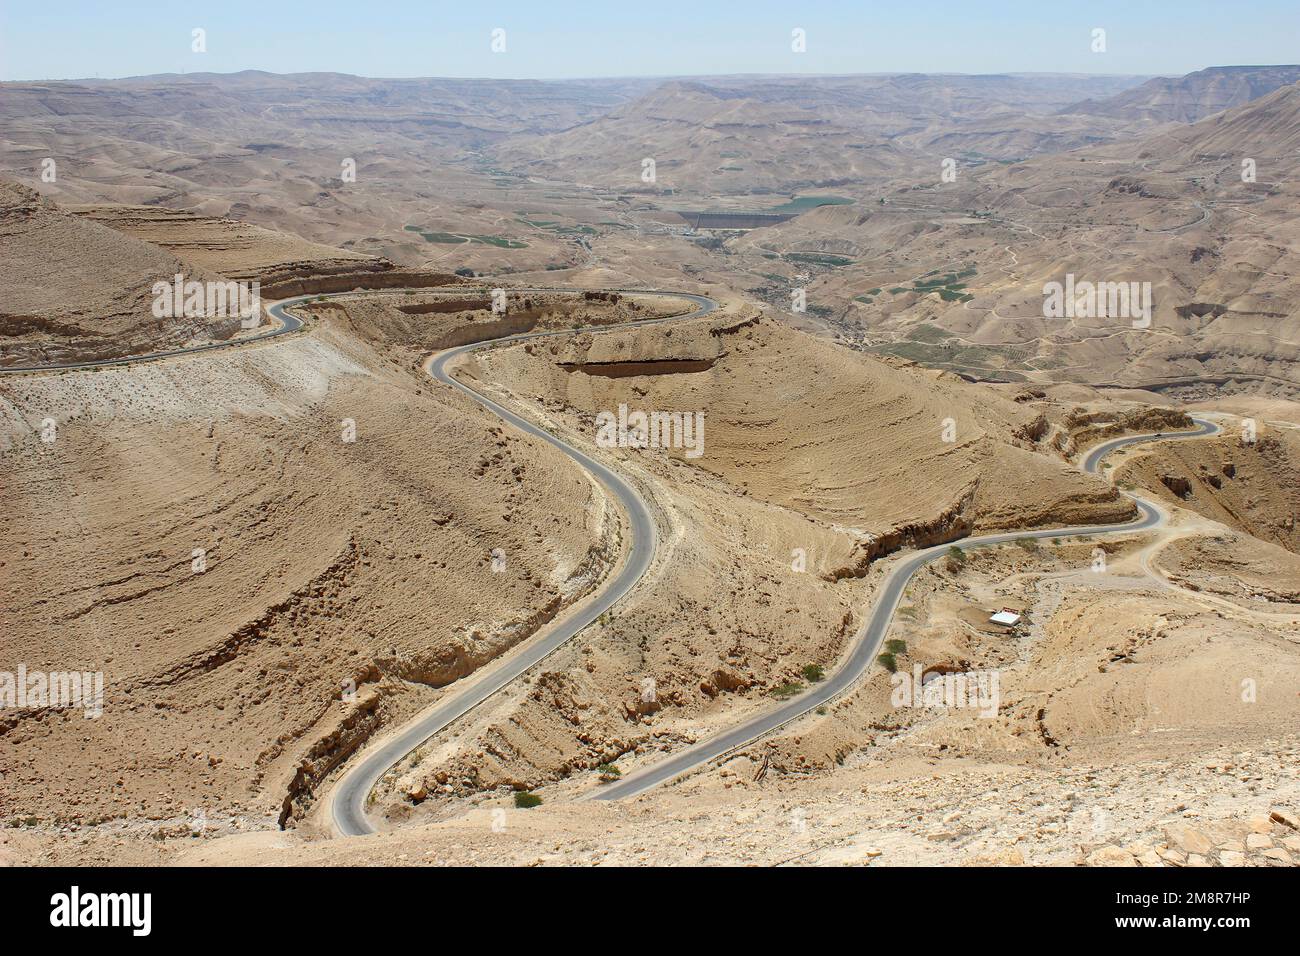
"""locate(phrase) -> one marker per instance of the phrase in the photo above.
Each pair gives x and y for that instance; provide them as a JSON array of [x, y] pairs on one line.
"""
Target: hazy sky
[[40, 39]]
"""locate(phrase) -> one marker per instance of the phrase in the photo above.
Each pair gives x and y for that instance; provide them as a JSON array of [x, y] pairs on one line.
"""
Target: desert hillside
[[233, 248], [1187, 99], [268, 566], [751, 136], [792, 464], [1196, 219], [955, 380], [846, 440], [76, 290]]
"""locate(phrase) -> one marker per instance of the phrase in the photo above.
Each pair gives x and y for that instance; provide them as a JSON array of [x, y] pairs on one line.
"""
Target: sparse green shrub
[[526, 800], [888, 662], [896, 646], [813, 673], [956, 559]]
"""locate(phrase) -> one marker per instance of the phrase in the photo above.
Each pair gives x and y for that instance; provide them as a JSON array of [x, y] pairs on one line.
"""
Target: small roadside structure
[[1007, 617]]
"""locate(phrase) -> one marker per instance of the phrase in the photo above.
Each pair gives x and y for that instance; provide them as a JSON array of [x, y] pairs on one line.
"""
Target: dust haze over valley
[[383, 572]]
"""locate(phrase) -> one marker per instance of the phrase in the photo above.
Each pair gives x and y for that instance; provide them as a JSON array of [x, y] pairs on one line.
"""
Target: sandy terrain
[[321, 559], [233, 248], [276, 552], [1125, 736]]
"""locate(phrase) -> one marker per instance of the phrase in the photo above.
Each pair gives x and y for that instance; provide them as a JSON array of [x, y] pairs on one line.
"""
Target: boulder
[[1111, 856], [1144, 854], [1171, 856], [1188, 839], [1260, 823]]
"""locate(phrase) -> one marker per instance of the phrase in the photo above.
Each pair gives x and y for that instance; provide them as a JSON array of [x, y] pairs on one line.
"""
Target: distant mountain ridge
[[1187, 99], [1266, 127]]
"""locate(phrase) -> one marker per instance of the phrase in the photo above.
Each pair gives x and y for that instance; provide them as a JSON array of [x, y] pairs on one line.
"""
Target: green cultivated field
[[550, 225], [949, 286], [819, 258], [931, 345], [451, 238]]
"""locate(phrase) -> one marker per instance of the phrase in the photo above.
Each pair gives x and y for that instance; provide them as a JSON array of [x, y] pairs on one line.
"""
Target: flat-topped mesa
[[825, 432]]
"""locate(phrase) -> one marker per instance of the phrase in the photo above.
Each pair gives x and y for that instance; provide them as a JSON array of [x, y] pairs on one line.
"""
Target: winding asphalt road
[[348, 798], [866, 643]]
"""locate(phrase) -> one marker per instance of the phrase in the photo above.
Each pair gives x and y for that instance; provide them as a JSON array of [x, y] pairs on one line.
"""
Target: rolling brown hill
[[74, 289], [270, 149], [1186, 99], [760, 135], [371, 538], [1170, 209], [1265, 128]]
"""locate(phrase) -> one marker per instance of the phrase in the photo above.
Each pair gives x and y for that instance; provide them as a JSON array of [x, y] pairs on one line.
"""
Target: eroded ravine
[[349, 798], [866, 643]]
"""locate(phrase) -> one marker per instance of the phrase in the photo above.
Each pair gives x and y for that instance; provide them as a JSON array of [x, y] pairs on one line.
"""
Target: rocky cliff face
[[76, 290]]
